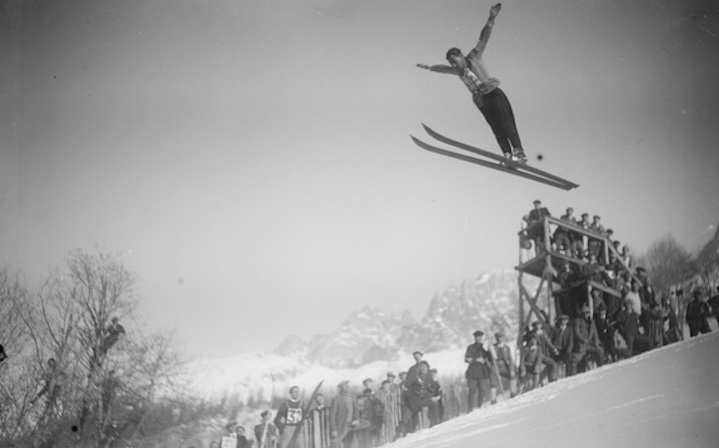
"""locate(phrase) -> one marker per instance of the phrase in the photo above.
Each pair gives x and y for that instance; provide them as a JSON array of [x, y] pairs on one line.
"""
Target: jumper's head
[[456, 58]]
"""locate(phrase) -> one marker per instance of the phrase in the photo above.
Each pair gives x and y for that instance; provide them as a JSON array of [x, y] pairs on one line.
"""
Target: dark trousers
[[551, 366], [498, 112], [637, 344], [476, 396]]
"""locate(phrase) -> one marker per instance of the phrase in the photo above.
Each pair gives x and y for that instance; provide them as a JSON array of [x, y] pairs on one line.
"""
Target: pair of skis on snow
[[507, 166]]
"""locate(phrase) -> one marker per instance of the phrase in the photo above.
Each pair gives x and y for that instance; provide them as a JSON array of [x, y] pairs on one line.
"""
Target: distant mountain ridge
[[371, 342], [489, 303]]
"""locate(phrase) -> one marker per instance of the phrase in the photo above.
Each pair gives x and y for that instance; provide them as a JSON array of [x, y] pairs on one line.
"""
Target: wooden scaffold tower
[[546, 254]]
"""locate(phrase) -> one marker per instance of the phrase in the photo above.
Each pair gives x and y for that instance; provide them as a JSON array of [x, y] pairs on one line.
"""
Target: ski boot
[[519, 156]]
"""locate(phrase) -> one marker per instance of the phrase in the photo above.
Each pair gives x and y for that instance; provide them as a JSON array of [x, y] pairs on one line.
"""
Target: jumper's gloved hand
[[494, 10]]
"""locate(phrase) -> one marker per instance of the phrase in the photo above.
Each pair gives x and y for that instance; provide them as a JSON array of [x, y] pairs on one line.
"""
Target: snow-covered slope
[[666, 398]]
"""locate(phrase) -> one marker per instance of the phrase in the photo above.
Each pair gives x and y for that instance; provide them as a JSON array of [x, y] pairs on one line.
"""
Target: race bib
[[294, 416]]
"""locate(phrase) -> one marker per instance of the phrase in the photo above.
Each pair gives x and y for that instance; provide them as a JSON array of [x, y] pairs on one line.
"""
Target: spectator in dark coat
[[628, 324], [478, 372], [506, 366], [436, 409], [714, 304], [697, 314], [531, 362], [536, 233], [586, 342], [266, 433], [563, 340], [418, 396], [547, 348]]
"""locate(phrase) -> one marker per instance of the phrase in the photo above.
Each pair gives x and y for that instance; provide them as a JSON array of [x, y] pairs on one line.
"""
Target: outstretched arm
[[486, 31], [440, 68]]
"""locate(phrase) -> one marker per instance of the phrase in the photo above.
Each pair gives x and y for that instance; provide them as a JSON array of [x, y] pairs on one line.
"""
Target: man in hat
[[586, 342], [417, 359], [563, 340], [563, 237], [418, 396], [549, 351], [646, 293], [578, 246], [486, 94], [536, 233], [265, 432], [505, 365], [343, 415], [531, 362], [595, 245], [478, 371]]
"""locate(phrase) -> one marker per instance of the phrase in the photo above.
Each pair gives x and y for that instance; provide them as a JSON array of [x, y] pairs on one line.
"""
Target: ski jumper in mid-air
[[486, 94]]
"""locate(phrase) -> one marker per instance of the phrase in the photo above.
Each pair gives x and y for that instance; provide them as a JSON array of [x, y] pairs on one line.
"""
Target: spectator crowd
[[617, 316]]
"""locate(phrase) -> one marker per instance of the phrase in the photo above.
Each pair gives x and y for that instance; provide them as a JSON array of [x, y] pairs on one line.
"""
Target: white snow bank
[[665, 398]]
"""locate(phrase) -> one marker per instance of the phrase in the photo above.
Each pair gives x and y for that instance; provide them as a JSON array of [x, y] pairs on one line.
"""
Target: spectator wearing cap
[[595, 244], [578, 242], [562, 237], [567, 274], [231, 428], [531, 362], [343, 415], [586, 344], [372, 416], [628, 326], [368, 383], [592, 270], [547, 348], [563, 340], [478, 372], [418, 396], [417, 359], [646, 293], [506, 367], [604, 331], [536, 233], [265, 432]]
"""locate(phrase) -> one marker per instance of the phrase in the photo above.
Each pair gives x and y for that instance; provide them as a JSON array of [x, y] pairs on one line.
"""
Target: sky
[[250, 161]]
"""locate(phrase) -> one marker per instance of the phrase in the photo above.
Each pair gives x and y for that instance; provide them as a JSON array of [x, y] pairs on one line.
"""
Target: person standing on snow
[[486, 94], [343, 415], [478, 372], [288, 419]]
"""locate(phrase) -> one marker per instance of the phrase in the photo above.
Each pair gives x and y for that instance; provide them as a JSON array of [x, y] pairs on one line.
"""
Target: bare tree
[[707, 262], [668, 264]]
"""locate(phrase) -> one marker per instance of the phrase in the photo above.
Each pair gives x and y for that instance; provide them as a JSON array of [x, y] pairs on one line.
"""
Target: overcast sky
[[251, 162]]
